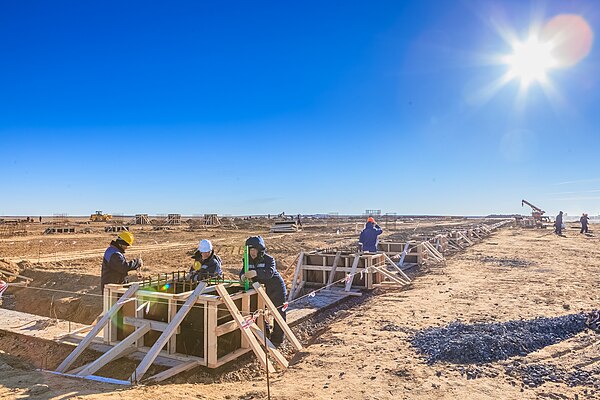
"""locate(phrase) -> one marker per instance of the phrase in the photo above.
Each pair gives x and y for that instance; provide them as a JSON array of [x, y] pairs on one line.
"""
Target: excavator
[[100, 217], [537, 214]]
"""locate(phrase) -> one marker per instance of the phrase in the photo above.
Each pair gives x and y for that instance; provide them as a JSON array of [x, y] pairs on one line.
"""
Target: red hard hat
[[371, 219]]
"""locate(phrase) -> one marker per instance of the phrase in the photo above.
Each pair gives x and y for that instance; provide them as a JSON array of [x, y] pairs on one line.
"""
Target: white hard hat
[[205, 246]]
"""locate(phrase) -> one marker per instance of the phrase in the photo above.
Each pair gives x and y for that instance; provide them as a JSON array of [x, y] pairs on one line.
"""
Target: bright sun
[[530, 60]]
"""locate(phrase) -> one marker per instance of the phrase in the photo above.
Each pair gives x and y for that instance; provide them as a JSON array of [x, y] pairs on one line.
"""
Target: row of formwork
[[355, 270]]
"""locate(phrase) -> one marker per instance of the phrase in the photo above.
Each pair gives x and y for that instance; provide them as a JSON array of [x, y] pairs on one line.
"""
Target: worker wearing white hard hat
[[206, 263]]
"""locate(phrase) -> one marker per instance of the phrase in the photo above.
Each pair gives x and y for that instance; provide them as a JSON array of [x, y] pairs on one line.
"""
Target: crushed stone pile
[[534, 375], [486, 342]]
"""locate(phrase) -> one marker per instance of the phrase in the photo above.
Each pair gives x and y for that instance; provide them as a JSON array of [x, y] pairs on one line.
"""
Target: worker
[[584, 223], [114, 265], [558, 223], [262, 269], [298, 221], [206, 263], [368, 236]]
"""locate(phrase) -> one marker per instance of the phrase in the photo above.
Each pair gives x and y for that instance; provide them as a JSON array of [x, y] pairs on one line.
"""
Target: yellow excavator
[[100, 217]]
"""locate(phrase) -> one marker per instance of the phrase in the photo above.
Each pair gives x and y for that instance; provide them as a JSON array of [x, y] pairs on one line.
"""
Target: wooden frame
[[209, 320]]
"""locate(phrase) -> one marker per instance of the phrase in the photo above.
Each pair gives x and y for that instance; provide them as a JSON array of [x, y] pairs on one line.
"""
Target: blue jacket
[[209, 268], [266, 272], [114, 266], [368, 237]]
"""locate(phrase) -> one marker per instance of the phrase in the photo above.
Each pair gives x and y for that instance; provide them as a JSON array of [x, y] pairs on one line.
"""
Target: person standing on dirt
[[368, 236], [584, 223], [262, 269], [114, 265], [207, 265], [558, 223]]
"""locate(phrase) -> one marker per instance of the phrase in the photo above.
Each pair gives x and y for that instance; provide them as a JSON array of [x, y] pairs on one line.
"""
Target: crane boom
[[523, 202]]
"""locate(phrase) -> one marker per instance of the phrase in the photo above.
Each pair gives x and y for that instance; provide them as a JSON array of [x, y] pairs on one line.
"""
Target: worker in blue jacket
[[368, 236], [114, 265], [207, 264], [262, 269]]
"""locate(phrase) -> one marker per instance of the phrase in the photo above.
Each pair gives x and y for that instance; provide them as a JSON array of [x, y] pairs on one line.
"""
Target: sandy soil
[[363, 351]]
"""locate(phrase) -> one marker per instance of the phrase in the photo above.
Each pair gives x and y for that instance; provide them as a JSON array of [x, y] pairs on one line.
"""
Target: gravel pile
[[479, 343], [534, 375]]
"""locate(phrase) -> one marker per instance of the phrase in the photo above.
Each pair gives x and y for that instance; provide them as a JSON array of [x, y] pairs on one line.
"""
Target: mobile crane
[[537, 214]]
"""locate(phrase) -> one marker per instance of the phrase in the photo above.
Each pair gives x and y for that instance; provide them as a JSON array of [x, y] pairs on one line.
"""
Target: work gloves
[[248, 275]]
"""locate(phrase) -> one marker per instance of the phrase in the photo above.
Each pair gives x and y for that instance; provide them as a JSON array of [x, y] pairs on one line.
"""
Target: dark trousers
[[584, 228], [558, 229], [277, 296]]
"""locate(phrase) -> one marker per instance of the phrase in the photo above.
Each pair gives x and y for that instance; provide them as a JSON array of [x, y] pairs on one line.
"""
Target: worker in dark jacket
[[584, 223], [558, 223], [262, 269], [206, 263], [368, 236], [114, 265]]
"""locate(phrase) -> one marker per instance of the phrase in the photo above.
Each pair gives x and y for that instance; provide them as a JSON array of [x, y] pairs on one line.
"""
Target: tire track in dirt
[[94, 253]]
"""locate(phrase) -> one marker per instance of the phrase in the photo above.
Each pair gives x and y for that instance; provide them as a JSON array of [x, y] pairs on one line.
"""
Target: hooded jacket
[[114, 265], [368, 237], [266, 271], [211, 267]]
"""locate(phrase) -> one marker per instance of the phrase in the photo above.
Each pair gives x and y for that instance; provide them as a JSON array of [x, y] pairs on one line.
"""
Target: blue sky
[[310, 107]]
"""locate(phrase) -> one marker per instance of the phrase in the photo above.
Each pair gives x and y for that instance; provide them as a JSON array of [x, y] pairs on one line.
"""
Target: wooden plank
[[296, 273], [116, 351], [404, 252], [161, 376], [338, 255], [96, 329], [270, 347], [352, 272], [278, 318], [154, 325], [91, 378], [16, 275], [171, 312], [389, 260], [390, 275], [433, 252], [254, 345], [166, 335], [298, 290], [83, 329], [125, 353]]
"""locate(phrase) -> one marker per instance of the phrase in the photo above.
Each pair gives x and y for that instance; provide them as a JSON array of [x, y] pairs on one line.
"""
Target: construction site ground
[[359, 349]]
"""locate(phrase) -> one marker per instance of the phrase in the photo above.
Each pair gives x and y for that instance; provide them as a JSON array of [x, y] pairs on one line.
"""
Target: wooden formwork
[[352, 271], [207, 334], [211, 219], [174, 219], [141, 219], [196, 324], [412, 252], [59, 229], [116, 228]]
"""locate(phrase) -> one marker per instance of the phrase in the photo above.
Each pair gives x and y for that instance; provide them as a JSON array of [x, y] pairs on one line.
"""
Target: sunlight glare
[[530, 60]]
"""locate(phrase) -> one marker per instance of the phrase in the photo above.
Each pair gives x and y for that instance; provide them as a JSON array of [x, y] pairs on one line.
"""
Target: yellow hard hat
[[127, 237]]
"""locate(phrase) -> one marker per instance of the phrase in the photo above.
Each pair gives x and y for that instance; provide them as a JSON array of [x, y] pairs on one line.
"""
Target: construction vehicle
[[537, 215], [100, 217]]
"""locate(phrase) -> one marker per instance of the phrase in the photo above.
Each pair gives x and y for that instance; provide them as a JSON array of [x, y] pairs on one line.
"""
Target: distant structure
[[174, 219], [372, 213]]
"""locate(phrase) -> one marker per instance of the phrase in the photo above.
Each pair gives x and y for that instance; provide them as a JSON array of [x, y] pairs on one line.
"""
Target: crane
[[536, 212]]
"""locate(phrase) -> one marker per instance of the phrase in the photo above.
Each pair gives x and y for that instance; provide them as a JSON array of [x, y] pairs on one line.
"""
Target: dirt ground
[[360, 349]]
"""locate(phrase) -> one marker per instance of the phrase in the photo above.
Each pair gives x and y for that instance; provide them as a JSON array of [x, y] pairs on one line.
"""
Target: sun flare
[[530, 61]]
